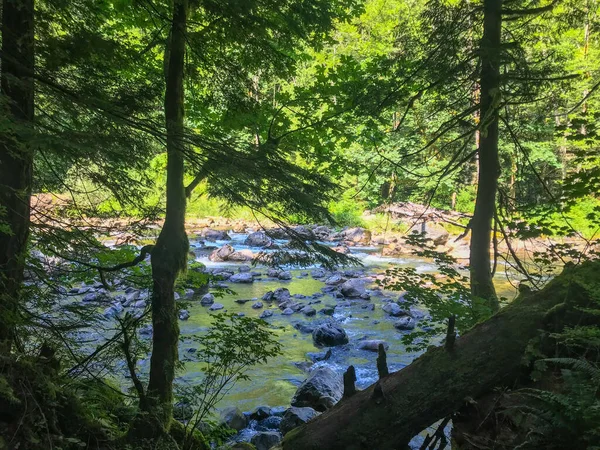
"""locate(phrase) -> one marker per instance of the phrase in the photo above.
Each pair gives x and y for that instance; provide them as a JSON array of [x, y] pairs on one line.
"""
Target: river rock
[[318, 273], [234, 418], [99, 296], [329, 335], [113, 310], [356, 235], [319, 390], [216, 307], [335, 279], [284, 275], [273, 273], [184, 314], [243, 277], [281, 294], [258, 239], [257, 305], [372, 345], [441, 239], [328, 310], [214, 235], [303, 233], [277, 233], [287, 312], [222, 254], [294, 417], [394, 310], [266, 313], [264, 440], [353, 288], [320, 356], [244, 268], [405, 323], [241, 256], [308, 311], [260, 413], [322, 232], [207, 299]]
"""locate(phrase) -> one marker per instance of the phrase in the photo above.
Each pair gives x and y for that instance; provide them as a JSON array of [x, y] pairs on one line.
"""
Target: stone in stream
[[189, 293], [139, 304], [268, 296], [184, 314], [207, 299], [258, 239], [222, 273], [257, 305], [353, 288], [372, 345], [273, 273], [284, 275], [294, 417], [244, 268], [394, 310], [222, 254], [214, 235], [321, 390], [99, 296], [243, 277], [287, 312], [242, 301], [308, 311], [320, 356], [281, 294], [318, 273], [329, 335], [369, 307], [264, 440], [260, 412], [405, 323], [335, 279], [234, 418], [266, 313], [356, 235], [113, 310], [322, 232], [216, 307], [328, 311]]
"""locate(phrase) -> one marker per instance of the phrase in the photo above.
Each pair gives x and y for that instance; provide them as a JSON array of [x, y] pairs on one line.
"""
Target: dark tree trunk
[[169, 257], [16, 156], [439, 382], [482, 285]]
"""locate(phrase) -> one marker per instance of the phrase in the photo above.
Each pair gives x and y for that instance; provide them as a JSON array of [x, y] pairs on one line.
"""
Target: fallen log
[[387, 416]]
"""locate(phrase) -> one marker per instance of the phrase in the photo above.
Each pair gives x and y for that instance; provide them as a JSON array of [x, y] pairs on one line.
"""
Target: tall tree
[[482, 284], [169, 256], [16, 154]]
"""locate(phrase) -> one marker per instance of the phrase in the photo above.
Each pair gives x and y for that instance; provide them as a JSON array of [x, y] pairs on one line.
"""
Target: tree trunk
[[440, 381], [482, 285], [16, 156], [169, 257]]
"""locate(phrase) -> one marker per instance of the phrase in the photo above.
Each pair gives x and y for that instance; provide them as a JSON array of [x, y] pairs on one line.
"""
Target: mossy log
[[440, 381]]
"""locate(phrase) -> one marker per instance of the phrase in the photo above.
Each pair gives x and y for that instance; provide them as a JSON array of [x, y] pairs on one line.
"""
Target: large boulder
[[353, 288], [242, 256], [281, 294], [234, 418], [222, 254], [294, 417], [214, 235], [243, 277], [265, 440], [356, 235], [207, 299], [329, 335], [322, 232], [405, 323], [335, 279], [320, 390], [394, 310], [258, 239]]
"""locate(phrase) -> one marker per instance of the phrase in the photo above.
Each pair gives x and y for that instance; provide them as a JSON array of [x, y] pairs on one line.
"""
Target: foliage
[[231, 346]]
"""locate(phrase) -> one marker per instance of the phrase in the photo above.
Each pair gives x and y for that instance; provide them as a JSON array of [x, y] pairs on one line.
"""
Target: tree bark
[[169, 256], [16, 156], [482, 285], [440, 381]]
